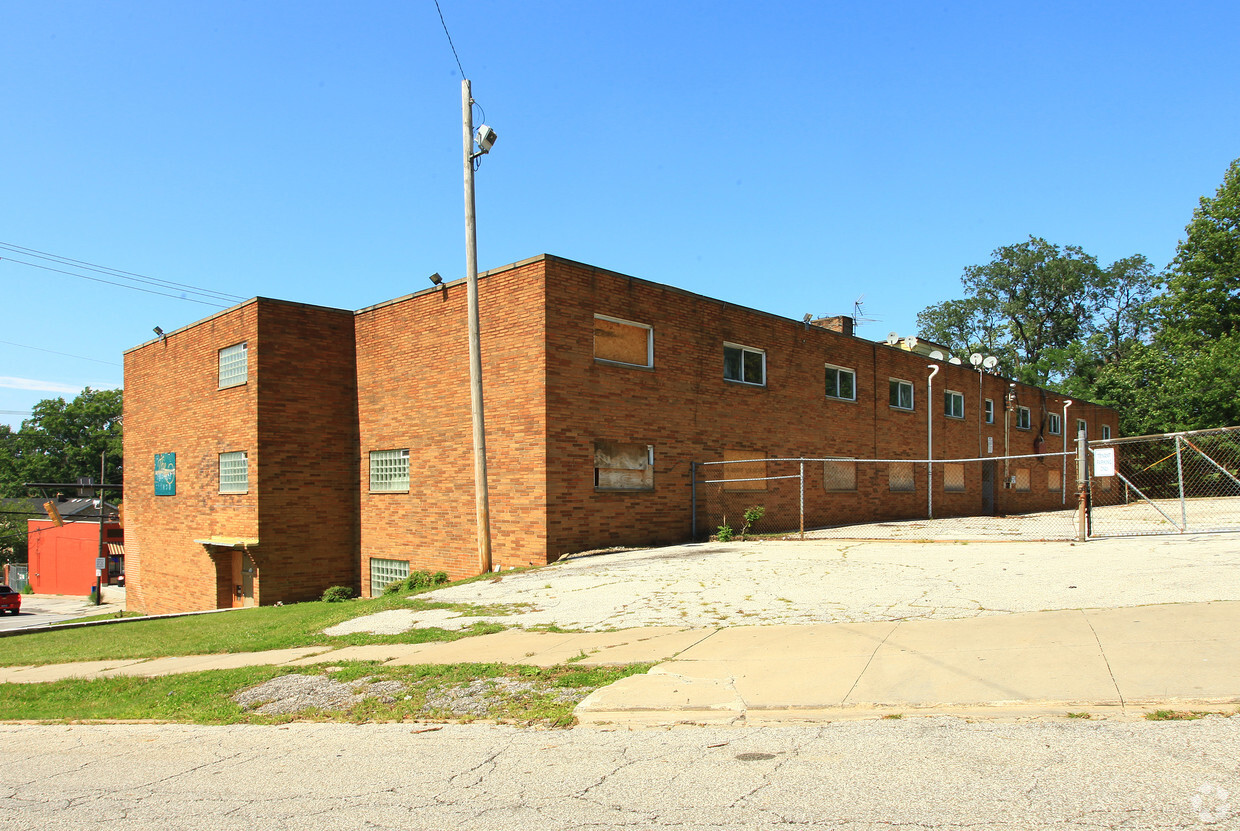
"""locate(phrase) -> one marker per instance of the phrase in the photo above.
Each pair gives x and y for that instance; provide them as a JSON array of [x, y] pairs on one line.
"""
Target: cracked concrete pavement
[[849, 581], [906, 774]]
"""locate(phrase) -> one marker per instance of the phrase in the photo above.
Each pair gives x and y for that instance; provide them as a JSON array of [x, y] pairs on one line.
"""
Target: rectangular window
[[900, 476], [234, 472], [389, 471], [841, 383], [1106, 432], [623, 467], [1053, 425], [623, 342], [165, 474], [1102, 483], [953, 477], [384, 572], [743, 475], [744, 364], [1022, 418], [1082, 427], [234, 365], [1021, 479], [901, 394], [953, 404], [839, 475], [990, 411], [1052, 481]]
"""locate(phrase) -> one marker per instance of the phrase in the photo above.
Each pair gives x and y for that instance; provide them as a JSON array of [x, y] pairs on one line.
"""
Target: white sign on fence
[[1104, 461]]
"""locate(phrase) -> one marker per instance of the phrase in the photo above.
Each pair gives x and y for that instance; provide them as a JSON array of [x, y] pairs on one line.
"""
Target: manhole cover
[[754, 757]]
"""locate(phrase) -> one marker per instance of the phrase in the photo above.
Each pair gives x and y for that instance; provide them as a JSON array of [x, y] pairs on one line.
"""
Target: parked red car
[[10, 601]]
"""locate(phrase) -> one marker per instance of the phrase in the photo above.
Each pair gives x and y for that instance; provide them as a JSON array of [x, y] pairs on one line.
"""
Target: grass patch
[[1080, 715], [108, 616], [243, 630], [893, 716], [1182, 715], [456, 692]]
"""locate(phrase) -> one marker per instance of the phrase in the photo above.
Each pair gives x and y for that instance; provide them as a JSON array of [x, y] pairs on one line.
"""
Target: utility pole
[[481, 500]]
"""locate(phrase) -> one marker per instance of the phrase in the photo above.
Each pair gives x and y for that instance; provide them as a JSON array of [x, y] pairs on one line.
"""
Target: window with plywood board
[[619, 466]]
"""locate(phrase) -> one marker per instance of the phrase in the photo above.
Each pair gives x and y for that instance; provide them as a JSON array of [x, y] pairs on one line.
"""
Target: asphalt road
[[906, 774], [42, 609]]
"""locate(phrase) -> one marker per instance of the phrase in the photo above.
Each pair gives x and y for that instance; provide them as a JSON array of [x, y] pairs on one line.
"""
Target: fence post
[[693, 500], [802, 497], [1179, 474], [1082, 479]]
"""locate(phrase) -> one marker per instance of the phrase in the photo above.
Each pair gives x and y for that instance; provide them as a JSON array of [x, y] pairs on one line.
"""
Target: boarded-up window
[[623, 342], [742, 476], [839, 475], [623, 467], [1021, 477], [900, 476], [953, 477], [1052, 481], [1103, 483]]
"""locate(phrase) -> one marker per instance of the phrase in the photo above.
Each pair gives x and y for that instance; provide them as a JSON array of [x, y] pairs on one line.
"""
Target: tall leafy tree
[[62, 441], [1045, 311]]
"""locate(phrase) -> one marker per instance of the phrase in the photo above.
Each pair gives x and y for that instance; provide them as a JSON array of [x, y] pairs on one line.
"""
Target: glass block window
[[841, 383], [901, 394], [1054, 424], [234, 365], [741, 363], [389, 470], [900, 476], [953, 404], [234, 472], [383, 572], [839, 475], [1022, 418], [953, 477], [623, 342]]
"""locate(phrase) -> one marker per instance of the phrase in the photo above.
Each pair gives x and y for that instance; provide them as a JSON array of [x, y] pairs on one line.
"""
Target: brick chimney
[[840, 323]]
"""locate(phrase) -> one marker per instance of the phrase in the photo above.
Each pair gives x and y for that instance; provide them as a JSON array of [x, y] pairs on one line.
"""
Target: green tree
[[62, 441], [1047, 313]]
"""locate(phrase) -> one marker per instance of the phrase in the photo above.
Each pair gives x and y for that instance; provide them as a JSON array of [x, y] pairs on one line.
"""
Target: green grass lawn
[[243, 630]]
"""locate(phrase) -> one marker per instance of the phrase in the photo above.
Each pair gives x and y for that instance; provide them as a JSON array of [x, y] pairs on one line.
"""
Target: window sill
[[623, 490], [385, 493], [838, 398], [902, 409], [623, 365], [745, 383]]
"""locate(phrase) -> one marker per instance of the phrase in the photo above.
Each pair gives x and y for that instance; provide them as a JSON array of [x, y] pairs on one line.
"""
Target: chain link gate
[[1176, 483]]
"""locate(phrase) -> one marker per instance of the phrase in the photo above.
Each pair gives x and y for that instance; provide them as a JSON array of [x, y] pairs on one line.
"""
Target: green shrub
[[416, 581], [724, 534], [752, 514], [336, 594]]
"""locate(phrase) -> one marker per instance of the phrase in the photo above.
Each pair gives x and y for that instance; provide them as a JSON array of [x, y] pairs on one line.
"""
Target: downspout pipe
[[934, 370], [1063, 432]]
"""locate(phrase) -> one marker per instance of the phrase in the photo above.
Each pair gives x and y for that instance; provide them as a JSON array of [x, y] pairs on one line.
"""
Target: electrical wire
[[116, 272], [446, 32], [53, 352], [110, 283]]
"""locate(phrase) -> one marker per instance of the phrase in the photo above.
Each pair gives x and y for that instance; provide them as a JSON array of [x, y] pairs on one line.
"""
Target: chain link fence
[[1014, 497], [1176, 483]]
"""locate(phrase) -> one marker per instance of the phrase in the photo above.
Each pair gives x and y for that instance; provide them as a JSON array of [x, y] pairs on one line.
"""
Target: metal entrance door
[[247, 585], [988, 488]]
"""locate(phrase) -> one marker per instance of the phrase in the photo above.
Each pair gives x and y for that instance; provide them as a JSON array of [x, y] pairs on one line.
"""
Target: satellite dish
[[976, 359], [937, 355], [954, 360], [912, 342], [991, 362], [892, 338]]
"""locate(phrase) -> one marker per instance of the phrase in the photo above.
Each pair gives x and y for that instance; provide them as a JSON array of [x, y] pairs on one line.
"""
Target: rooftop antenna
[[859, 316]]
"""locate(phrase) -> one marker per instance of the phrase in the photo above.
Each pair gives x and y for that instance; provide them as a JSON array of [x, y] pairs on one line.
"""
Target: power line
[[53, 352], [445, 31], [116, 272], [110, 283]]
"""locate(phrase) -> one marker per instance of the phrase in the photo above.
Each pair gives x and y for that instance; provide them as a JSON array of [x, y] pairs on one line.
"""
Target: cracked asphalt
[[849, 581], [906, 774]]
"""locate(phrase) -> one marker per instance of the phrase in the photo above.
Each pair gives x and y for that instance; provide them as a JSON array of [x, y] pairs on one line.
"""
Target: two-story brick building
[[275, 449]]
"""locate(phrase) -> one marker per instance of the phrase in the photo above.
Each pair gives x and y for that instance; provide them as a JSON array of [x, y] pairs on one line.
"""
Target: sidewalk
[[1102, 660]]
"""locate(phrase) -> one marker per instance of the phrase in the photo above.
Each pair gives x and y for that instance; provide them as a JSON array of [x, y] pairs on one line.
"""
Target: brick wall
[[173, 405], [414, 393]]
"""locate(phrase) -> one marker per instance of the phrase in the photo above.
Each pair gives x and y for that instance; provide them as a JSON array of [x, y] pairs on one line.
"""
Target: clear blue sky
[[785, 156]]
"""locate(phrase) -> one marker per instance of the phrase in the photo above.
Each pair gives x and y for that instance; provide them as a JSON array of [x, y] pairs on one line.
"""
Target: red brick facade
[[326, 388]]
